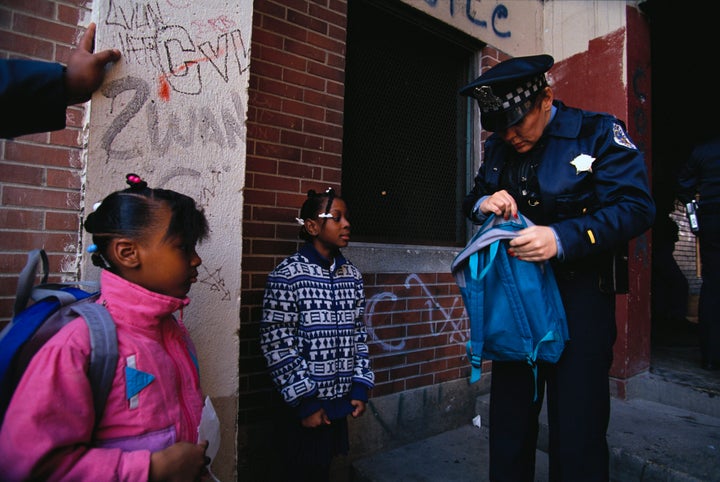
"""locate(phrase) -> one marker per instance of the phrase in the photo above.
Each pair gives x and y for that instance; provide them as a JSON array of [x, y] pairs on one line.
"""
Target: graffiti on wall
[[468, 9], [178, 61], [441, 319]]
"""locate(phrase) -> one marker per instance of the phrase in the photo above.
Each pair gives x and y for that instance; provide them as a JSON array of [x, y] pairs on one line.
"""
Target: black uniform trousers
[[577, 390], [709, 302]]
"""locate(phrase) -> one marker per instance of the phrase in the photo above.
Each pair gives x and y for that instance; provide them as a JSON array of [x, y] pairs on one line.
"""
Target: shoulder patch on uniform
[[621, 137]]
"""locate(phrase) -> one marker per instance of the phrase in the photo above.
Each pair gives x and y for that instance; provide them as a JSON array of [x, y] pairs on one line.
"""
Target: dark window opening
[[404, 162]]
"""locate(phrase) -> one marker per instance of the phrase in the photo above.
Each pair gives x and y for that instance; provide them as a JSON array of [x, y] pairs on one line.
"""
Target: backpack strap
[[104, 352], [26, 281]]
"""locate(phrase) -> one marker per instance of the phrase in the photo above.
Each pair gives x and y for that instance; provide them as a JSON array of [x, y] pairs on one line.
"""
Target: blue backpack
[[514, 306], [55, 305]]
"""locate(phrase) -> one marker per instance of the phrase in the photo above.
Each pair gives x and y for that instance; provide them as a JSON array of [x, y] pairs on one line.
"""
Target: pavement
[[667, 430]]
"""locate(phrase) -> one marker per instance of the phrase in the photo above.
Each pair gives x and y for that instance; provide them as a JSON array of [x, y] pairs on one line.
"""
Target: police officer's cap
[[506, 92]]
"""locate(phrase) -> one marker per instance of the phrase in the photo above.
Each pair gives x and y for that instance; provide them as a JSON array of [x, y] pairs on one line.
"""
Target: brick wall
[[416, 322], [685, 250], [294, 143], [40, 173]]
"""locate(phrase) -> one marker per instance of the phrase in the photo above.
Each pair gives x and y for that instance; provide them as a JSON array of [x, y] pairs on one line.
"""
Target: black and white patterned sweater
[[313, 334]]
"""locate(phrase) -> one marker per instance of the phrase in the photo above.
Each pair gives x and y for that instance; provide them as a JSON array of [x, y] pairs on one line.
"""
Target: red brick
[[304, 50], [23, 241], [55, 221], [332, 146], [265, 38], [42, 198], [258, 263], [418, 382], [258, 164], [306, 22], [317, 158], [40, 154], [332, 176], [40, 8], [277, 151], [274, 214], [63, 178], [20, 219], [298, 5], [19, 174], [5, 19], [74, 116], [266, 69], [21, 45], [67, 14], [69, 137], [334, 16], [272, 9], [325, 100], [304, 80], [285, 29], [39, 28], [301, 140], [283, 59], [271, 86], [326, 43], [325, 72], [337, 61]]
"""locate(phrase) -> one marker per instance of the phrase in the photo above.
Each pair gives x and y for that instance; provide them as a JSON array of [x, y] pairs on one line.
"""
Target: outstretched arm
[[86, 69]]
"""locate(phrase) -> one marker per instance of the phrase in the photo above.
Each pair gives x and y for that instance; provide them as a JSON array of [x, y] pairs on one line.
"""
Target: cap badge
[[583, 163], [487, 100]]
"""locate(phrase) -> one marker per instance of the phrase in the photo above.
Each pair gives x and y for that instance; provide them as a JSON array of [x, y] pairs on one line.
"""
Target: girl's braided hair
[[130, 212], [316, 204]]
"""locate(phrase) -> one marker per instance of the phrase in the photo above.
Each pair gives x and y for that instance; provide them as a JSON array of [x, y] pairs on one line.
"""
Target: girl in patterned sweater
[[314, 340]]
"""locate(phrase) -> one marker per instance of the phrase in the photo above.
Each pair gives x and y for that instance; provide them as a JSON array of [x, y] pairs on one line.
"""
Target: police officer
[[582, 181], [701, 176], [37, 93]]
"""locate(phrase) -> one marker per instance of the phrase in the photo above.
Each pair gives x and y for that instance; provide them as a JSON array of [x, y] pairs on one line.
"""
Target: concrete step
[[649, 441]]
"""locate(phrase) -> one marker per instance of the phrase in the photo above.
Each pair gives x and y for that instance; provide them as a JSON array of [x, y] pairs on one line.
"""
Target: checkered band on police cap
[[490, 102]]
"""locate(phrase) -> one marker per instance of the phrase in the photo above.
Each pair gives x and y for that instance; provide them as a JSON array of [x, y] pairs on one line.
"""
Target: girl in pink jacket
[[145, 241]]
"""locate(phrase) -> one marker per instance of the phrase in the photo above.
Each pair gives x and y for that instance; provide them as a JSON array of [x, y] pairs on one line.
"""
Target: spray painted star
[[583, 163]]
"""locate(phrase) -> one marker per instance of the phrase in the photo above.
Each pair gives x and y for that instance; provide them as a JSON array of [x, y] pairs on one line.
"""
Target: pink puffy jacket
[[48, 432]]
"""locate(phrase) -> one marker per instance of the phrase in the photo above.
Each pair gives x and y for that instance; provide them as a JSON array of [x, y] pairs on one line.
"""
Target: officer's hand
[[85, 69], [500, 203], [536, 243]]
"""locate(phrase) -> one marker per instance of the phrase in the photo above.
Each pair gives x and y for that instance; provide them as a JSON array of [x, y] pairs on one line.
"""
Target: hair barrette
[[96, 205], [325, 215], [135, 182], [133, 179], [92, 248], [301, 222]]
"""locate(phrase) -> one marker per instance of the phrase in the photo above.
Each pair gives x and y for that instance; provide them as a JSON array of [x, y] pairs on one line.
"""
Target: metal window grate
[[404, 172]]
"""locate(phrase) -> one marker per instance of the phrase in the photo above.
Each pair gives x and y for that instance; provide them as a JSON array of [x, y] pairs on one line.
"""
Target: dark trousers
[[577, 391], [709, 302]]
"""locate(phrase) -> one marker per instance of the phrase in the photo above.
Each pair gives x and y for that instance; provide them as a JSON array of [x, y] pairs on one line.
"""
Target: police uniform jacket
[[584, 178], [33, 97]]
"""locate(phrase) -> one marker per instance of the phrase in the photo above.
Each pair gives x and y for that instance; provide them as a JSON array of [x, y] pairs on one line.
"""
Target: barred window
[[404, 171]]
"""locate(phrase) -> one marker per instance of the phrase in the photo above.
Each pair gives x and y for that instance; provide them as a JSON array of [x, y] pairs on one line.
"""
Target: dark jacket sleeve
[[32, 97]]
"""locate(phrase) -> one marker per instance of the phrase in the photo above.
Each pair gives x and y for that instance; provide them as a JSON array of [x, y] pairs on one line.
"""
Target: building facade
[[248, 105]]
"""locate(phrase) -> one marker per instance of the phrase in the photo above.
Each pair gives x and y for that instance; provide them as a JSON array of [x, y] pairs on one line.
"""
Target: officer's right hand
[[500, 203]]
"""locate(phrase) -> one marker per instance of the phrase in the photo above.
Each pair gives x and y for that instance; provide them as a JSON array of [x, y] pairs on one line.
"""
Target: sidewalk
[[649, 441]]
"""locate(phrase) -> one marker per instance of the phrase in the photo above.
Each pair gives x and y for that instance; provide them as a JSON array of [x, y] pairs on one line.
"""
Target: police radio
[[691, 209]]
